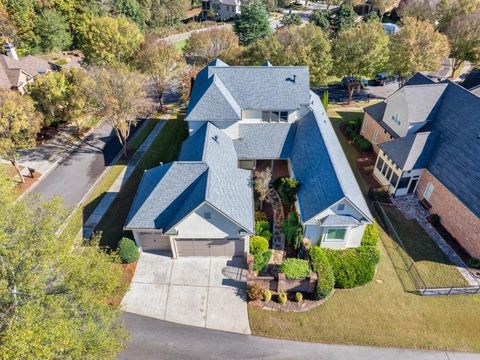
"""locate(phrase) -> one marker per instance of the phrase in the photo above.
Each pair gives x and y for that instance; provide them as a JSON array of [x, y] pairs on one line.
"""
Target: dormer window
[[396, 118], [275, 116]]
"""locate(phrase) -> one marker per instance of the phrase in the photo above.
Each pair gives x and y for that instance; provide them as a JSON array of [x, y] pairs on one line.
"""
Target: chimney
[[10, 51]]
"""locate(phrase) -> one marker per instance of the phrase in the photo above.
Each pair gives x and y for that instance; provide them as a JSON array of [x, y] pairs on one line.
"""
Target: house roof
[[10, 69], [251, 87], [340, 220], [155, 208], [265, 141], [412, 151], [472, 79], [319, 164], [419, 79]]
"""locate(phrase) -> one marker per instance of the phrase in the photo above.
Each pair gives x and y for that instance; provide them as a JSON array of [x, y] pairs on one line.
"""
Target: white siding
[[229, 127], [397, 104]]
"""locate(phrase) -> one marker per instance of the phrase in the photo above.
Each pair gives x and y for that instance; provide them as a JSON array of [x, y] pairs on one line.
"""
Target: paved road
[[75, 175], [157, 339]]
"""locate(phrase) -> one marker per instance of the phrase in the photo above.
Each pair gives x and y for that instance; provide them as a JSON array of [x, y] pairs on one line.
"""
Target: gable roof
[[412, 151], [11, 69], [319, 164], [419, 79], [156, 208]]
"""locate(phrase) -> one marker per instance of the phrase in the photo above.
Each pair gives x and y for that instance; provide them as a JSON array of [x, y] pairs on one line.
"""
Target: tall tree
[[8, 31], [418, 47], [163, 64], [296, 45], [463, 33], [448, 9], [359, 52], [342, 18], [205, 46], [19, 126], [132, 10], [291, 19], [22, 13], [252, 24], [53, 31], [118, 97], [320, 18], [107, 41], [54, 303], [419, 9]]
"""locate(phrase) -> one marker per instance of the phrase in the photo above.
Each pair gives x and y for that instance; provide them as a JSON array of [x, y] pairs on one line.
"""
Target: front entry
[[413, 185], [210, 247]]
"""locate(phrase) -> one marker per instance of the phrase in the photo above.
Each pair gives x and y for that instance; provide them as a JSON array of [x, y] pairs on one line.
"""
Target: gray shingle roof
[[412, 151], [320, 165], [340, 220], [419, 79], [265, 141], [167, 194]]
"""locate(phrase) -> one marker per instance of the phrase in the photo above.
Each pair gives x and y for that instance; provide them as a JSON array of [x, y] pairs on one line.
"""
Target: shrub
[[287, 189], [325, 277], [258, 245], [474, 263], [370, 236], [353, 267], [364, 145], [254, 292], [282, 297], [293, 230], [267, 295], [298, 297], [261, 260], [262, 228], [295, 268], [260, 215], [128, 251]]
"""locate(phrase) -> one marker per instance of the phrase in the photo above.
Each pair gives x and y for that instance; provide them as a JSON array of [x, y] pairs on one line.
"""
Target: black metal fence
[[410, 268]]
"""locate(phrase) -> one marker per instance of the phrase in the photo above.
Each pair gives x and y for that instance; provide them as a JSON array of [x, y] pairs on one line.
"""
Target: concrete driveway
[[197, 291]]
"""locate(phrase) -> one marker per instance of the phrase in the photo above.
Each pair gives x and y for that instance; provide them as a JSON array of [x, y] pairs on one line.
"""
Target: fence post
[[281, 286]]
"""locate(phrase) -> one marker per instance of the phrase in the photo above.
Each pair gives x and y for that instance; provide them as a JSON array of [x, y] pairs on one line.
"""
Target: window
[[335, 235], [428, 191], [385, 169], [394, 180], [389, 173], [374, 137], [403, 183], [284, 116], [380, 164], [275, 116], [396, 118], [341, 207], [266, 116]]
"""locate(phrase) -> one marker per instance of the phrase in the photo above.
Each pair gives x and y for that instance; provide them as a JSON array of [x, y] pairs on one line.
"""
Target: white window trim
[[327, 229], [427, 193], [375, 136]]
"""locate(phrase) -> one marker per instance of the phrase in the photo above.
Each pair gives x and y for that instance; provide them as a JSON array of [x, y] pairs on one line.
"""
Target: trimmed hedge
[[325, 277], [353, 267], [258, 245], [262, 228], [371, 235], [295, 268], [261, 260], [128, 251]]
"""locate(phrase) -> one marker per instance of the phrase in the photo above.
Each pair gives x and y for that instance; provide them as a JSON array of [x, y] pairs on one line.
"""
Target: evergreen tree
[[252, 24]]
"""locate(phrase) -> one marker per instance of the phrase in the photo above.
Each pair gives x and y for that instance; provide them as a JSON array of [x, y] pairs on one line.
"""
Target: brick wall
[[368, 127], [454, 216]]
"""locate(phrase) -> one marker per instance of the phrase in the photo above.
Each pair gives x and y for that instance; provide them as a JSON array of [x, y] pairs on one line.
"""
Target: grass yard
[[433, 266], [179, 45], [81, 214], [380, 314], [164, 149]]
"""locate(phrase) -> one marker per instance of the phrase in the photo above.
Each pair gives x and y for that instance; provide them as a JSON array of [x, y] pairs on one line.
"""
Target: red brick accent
[[454, 216], [368, 126]]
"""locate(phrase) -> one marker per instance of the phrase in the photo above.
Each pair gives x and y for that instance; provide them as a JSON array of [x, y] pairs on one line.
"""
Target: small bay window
[[335, 234]]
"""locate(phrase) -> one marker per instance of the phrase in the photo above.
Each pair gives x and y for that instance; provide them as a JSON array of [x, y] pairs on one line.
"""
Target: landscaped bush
[[473, 262], [267, 295], [260, 215], [362, 143], [128, 251], [295, 268], [282, 297], [287, 189], [261, 260], [325, 277], [258, 245], [298, 297], [262, 228], [254, 292], [353, 267], [370, 236], [293, 230]]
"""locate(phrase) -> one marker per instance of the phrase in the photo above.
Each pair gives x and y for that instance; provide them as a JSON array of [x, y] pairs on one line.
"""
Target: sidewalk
[[107, 200]]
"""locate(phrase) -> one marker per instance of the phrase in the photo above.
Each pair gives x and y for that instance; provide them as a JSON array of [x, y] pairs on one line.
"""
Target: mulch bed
[[29, 181], [290, 306], [128, 271]]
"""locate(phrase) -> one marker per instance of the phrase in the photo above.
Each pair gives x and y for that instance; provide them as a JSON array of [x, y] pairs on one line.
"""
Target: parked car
[[352, 80], [384, 79]]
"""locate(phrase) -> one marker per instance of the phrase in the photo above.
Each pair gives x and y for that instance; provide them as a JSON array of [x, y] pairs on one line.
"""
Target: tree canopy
[[53, 31], [252, 24]]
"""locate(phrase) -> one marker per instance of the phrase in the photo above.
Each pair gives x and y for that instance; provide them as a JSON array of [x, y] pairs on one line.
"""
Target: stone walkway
[[412, 210], [278, 239], [107, 200]]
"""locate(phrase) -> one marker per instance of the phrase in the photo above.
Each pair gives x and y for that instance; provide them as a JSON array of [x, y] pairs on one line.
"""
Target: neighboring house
[[203, 204], [223, 9], [16, 73], [427, 137]]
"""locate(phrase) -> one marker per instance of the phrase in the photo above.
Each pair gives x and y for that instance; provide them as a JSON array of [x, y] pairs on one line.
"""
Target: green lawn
[[179, 45], [434, 267], [380, 314], [164, 149]]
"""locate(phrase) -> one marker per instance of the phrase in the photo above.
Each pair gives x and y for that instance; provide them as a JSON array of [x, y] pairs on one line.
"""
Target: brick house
[[427, 139]]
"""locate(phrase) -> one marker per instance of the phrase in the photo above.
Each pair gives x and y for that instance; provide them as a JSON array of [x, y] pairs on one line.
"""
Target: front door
[[412, 186]]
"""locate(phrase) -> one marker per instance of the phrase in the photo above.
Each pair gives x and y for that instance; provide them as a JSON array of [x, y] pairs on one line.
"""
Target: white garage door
[[210, 247], [154, 241]]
